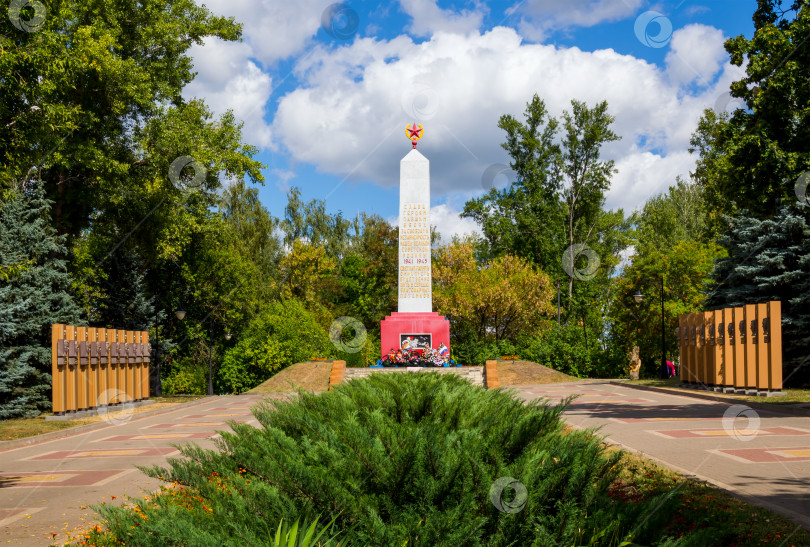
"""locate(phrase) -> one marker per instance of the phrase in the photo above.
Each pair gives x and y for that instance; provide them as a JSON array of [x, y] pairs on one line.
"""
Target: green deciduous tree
[[686, 269], [369, 274], [31, 301], [585, 176], [678, 215], [119, 298], [82, 96], [309, 222], [752, 159], [254, 234], [284, 333], [558, 196], [92, 104], [308, 274], [526, 218]]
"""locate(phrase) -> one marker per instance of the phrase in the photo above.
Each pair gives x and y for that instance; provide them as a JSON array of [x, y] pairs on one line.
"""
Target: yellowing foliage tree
[[499, 300], [307, 273]]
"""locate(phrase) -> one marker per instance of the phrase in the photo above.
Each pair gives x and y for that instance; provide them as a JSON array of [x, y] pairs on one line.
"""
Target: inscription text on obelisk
[[415, 290]]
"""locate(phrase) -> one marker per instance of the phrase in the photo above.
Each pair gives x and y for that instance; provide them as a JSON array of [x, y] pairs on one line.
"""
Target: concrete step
[[474, 375]]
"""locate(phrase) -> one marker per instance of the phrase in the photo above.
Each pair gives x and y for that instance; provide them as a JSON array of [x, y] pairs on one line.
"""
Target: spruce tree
[[770, 260], [123, 303], [30, 302]]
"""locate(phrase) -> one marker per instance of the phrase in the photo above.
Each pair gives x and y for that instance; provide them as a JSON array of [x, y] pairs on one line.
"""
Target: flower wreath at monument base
[[417, 357]]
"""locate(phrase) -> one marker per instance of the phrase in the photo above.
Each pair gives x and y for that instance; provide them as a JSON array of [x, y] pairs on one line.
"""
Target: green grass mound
[[415, 459]]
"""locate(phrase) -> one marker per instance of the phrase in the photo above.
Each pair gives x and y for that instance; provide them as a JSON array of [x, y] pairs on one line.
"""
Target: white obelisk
[[415, 321], [415, 289]]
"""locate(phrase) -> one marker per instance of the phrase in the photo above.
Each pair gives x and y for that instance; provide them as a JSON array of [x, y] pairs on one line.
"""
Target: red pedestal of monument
[[400, 325]]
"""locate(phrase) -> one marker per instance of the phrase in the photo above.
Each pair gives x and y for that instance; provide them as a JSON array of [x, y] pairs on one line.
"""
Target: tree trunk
[[61, 189], [573, 258]]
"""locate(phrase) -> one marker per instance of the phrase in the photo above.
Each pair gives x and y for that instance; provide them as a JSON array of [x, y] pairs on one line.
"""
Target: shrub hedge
[[397, 460], [285, 333]]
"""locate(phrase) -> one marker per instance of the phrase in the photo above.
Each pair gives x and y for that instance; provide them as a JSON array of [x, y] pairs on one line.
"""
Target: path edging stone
[[790, 411]]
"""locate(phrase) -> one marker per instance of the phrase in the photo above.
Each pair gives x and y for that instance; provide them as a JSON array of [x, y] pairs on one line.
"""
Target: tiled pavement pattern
[[47, 487], [767, 463]]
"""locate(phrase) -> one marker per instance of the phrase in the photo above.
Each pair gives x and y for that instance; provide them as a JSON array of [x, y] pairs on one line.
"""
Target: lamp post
[[180, 314], [558, 302], [210, 362], [228, 336], [638, 297]]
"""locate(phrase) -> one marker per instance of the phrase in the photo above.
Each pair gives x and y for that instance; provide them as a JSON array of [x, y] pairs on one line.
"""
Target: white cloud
[[696, 54], [640, 177], [449, 223], [348, 117], [429, 18], [229, 76], [282, 178], [694, 10], [228, 79], [538, 17], [275, 29]]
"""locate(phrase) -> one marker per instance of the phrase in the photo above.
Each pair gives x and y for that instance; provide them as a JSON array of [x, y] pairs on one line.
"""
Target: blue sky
[[326, 90]]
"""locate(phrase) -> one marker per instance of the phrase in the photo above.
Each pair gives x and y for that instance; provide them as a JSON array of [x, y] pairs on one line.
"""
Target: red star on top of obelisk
[[414, 133]]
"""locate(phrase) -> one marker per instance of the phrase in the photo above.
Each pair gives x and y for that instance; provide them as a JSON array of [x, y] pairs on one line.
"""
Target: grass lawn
[[794, 396], [526, 373], [311, 376], [314, 376], [19, 429], [701, 503]]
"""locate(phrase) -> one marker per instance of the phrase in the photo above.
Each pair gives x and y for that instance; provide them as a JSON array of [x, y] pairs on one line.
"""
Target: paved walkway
[[46, 488], [763, 457]]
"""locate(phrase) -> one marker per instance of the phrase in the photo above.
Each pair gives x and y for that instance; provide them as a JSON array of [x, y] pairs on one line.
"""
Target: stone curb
[[69, 432], [77, 414], [789, 411]]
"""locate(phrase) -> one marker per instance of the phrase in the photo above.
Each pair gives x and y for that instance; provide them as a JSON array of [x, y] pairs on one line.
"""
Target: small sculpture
[[635, 364]]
